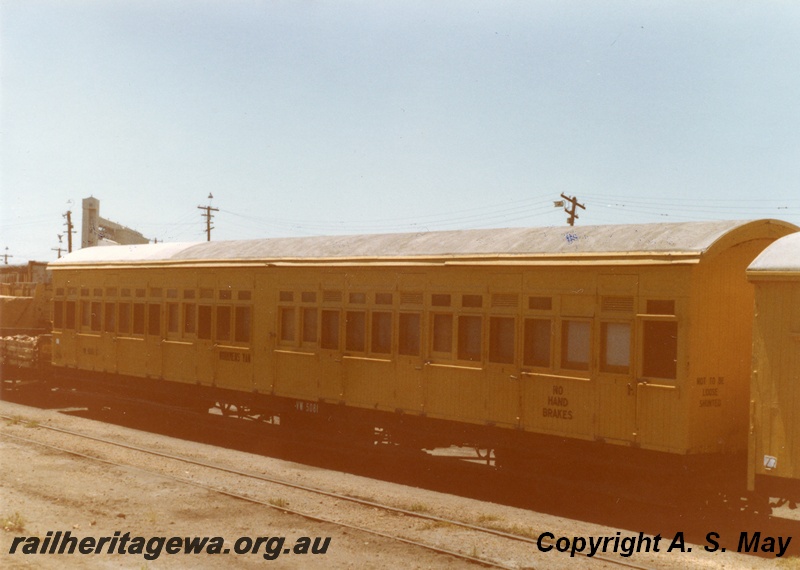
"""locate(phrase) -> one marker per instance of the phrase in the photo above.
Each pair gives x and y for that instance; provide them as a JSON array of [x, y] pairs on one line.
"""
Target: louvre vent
[[617, 304], [509, 300], [410, 298], [331, 296]]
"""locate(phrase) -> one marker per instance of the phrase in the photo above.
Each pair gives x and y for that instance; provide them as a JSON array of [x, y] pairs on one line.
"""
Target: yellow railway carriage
[[520, 340], [774, 465]]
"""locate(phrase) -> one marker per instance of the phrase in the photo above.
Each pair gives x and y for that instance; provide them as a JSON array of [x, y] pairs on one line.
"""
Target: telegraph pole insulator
[[572, 208]]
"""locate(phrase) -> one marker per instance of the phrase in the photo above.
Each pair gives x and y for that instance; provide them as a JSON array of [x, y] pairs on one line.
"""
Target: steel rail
[[282, 482]]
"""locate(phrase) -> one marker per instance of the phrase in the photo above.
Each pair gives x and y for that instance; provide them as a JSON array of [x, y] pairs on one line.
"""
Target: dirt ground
[[45, 491]]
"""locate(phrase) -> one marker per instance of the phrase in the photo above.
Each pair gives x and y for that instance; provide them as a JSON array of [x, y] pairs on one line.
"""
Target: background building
[[99, 231]]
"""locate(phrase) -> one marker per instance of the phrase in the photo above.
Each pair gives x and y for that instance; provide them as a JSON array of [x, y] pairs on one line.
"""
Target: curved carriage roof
[[782, 257], [669, 241]]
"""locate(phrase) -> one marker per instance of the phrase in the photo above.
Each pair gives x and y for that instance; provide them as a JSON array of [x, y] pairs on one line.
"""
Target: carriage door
[[108, 341], [331, 340], [205, 364], [409, 395], [659, 398], [502, 373], [154, 329], [616, 382]]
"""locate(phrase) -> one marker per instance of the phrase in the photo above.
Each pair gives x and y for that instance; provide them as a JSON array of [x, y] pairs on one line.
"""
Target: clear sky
[[322, 117]]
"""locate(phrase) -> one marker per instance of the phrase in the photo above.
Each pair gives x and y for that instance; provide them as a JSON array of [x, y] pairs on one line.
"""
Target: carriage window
[[58, 314], [154, 319], [138, 318], [440, 300], [383, 298], [409, 341], [287, 324], [223, 322], [330, 330], [657, 307], [204, 322], [540, 303], [358, 298], [97, 315], [189, 318], [575, 344], [309, 325], [70, 315], [125, 318], [474, 301], [173, 316], [243, 324], [469, 338], [111, 315], [537, 343], [501, 340], [381, 332], [443, 333], [615, 347], [660, 349], [86, 314], [356, 331]]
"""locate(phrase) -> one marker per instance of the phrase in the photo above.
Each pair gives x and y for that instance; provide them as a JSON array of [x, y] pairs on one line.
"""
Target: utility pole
[[58, 249], [70, 231], [6, 255], [208, 216], [573, 205]]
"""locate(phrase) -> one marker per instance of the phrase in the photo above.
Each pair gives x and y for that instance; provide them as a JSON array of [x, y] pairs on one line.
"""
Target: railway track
[[502, 548]]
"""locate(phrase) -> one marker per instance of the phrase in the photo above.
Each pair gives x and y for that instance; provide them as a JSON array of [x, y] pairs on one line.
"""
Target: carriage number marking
[[307, 407]]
